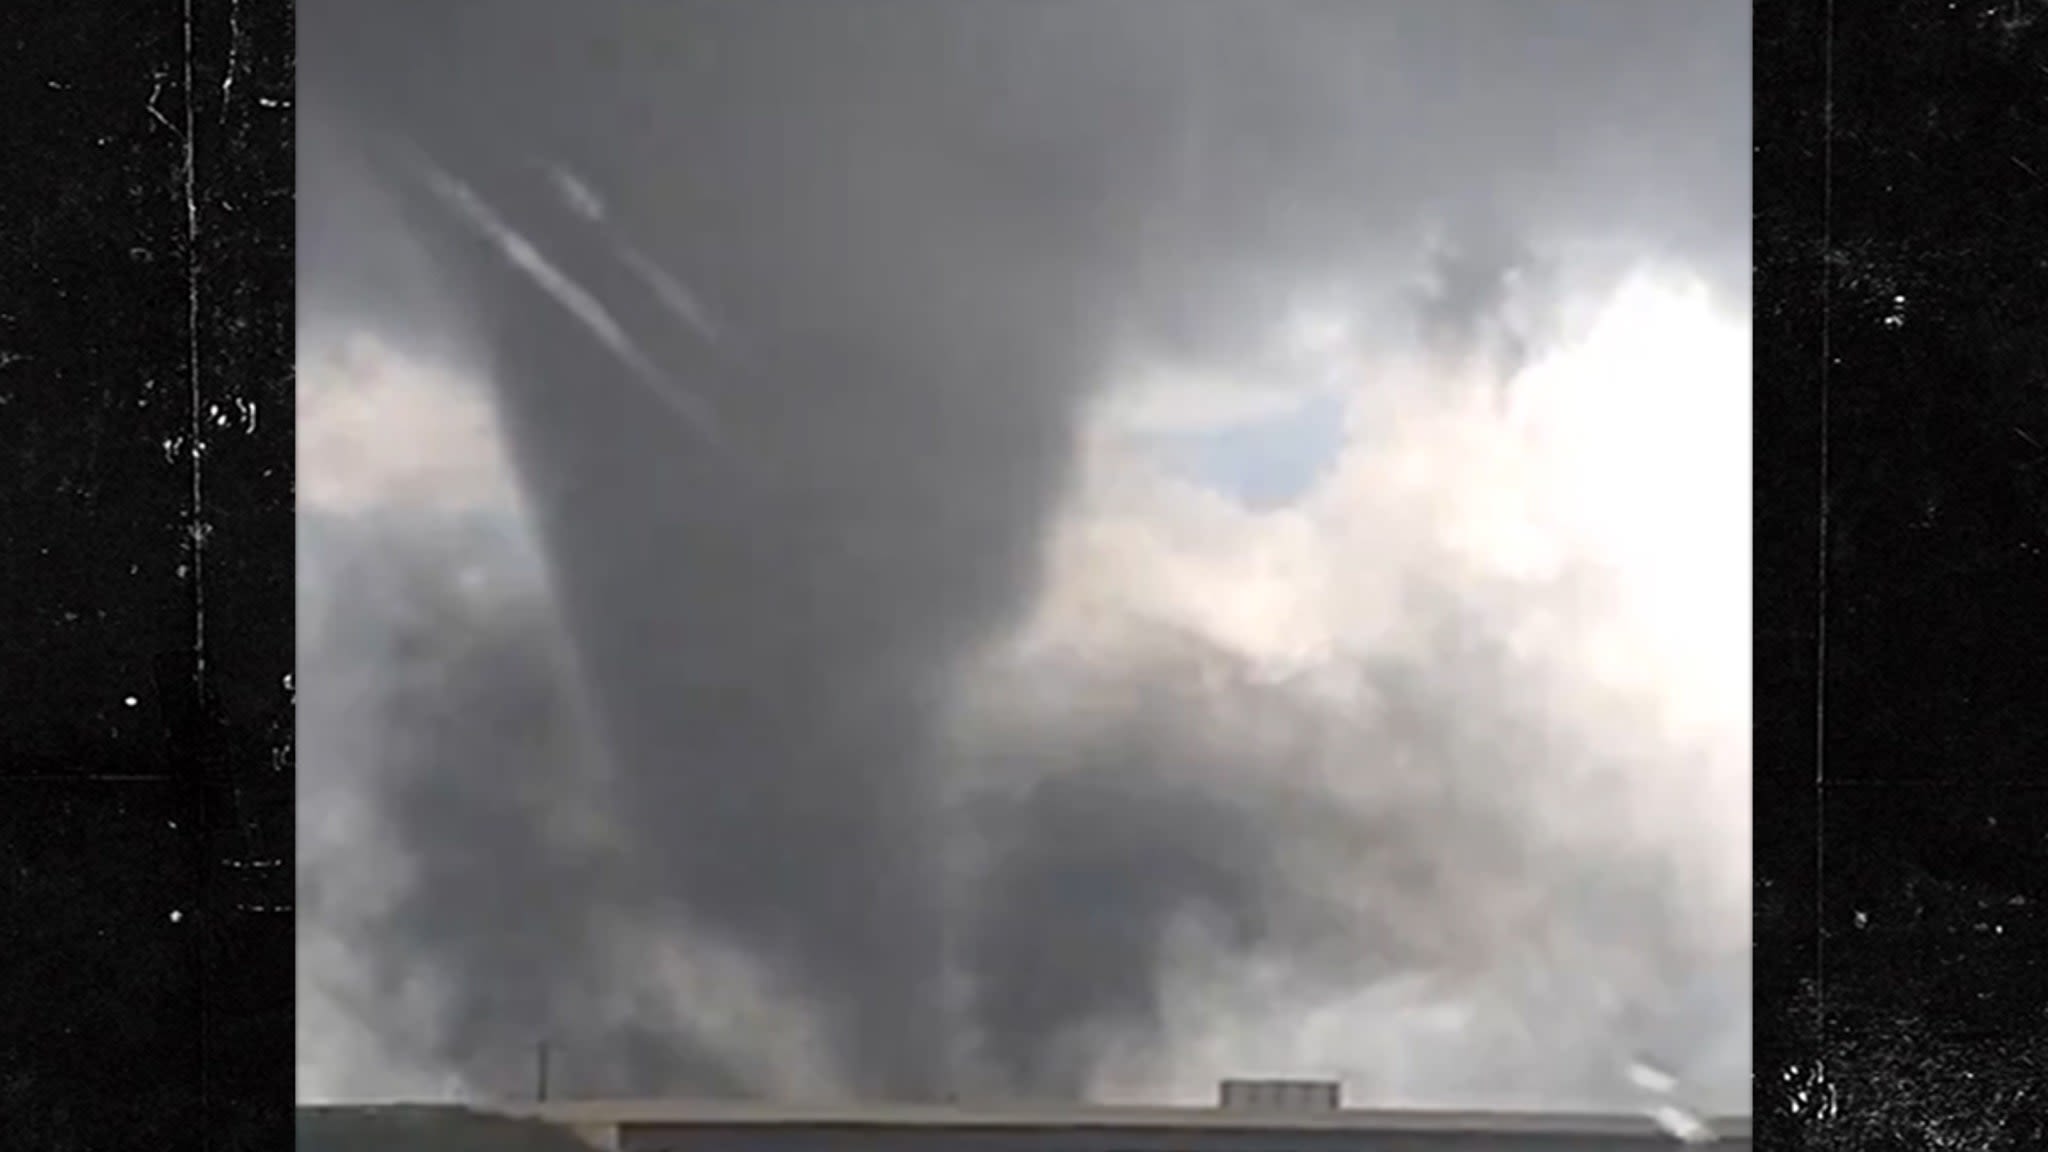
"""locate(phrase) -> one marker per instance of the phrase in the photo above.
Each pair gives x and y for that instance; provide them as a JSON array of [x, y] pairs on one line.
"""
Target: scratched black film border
[[145, 575], [1902, 857], [1789, 186]]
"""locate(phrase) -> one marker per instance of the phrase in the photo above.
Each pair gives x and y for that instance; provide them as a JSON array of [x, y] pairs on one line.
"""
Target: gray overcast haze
[[684, 669]]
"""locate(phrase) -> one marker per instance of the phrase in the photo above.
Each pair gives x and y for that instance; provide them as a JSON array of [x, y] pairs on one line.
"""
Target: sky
[[914, 550]]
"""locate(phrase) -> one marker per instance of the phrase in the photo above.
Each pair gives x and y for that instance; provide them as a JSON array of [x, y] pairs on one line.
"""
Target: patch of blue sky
[[1265, 462]]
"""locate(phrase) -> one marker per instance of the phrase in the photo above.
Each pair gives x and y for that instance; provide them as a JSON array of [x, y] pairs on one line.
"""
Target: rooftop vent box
[[1282, 1095]]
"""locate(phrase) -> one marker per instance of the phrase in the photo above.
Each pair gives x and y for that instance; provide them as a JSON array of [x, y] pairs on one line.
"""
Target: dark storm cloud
[[1464, 306], [1120, 835], [913, 229]]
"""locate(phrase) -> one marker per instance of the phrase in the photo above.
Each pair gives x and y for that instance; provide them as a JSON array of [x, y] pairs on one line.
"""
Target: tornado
[[721, 757]]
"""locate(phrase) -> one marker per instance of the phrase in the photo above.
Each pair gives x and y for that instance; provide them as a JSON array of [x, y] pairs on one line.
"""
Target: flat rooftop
[[587, 1114]]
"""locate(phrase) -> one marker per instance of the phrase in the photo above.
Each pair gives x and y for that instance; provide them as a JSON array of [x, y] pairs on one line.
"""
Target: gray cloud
[[918, 228]]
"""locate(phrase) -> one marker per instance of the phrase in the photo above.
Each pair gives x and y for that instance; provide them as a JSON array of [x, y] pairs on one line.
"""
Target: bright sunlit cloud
[[383, 427], [1624, 447]]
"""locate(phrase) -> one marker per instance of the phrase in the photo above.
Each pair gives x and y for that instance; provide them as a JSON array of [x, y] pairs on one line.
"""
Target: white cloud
[[1620, 457], [380, 426]]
